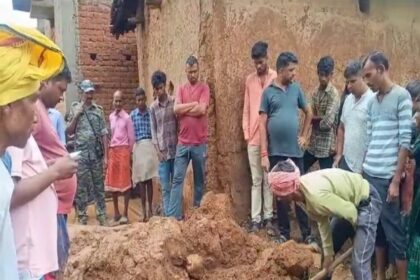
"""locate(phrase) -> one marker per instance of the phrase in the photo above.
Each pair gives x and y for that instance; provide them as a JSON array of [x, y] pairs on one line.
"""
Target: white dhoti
[[145, 161]]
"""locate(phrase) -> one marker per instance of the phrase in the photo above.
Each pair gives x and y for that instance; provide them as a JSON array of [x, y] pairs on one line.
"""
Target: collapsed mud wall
[[222, 32]]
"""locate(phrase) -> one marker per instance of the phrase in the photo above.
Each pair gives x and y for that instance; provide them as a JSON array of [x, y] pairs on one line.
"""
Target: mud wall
[[222, 32], [110, 63]]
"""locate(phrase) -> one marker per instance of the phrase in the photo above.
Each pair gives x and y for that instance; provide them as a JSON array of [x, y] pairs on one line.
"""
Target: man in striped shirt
[[389, 135]]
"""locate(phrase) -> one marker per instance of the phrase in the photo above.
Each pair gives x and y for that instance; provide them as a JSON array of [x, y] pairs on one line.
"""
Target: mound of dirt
[[208, 246]]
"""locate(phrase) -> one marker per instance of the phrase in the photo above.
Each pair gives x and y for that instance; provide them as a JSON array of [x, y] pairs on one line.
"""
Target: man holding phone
[[52, 148]]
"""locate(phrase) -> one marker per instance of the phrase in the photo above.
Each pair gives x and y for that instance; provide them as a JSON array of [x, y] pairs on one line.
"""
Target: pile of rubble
[[209, 245]]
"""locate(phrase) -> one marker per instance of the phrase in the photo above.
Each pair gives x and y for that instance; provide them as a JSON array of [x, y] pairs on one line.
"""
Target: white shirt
[[8, 261], [354, 119]]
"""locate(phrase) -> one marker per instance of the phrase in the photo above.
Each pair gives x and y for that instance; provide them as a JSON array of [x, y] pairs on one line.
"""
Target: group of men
[[362, 152], [42, 181], [164, 138]]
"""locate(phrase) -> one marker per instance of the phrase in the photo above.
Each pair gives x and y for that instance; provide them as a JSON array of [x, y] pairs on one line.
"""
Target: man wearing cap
[[346, 197], [87, 123], [26, 58]]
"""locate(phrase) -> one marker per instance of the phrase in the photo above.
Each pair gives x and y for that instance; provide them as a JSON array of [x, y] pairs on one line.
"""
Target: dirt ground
[[208, 245]]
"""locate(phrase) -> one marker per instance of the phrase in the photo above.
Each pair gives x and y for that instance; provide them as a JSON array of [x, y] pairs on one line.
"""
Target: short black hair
[[286, 58], [158, 78], [284, 166], [413, 87], [353, 68], [325, 65], [191, 60], [378, 58], [259, 50], [65, 75], [139, 92]]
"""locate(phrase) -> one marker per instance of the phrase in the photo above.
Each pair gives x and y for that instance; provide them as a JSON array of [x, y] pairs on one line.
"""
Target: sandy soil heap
[[209, 245]]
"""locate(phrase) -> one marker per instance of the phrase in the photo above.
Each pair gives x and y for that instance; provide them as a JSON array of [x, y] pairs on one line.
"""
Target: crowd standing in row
[[42, 181], [368, 145], [363, 147]]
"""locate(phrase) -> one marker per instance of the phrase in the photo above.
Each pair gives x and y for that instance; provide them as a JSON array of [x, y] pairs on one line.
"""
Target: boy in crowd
[[255, 84], [325, 106], [352, 131], [145, 161], [164, 135]]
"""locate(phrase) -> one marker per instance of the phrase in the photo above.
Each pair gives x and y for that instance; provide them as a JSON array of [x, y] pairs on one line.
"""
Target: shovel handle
[[323, 273]]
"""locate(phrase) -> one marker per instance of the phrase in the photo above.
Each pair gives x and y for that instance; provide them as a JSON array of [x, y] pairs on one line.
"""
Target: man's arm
[[27, 189], [182, 109], [203, 103], [245, 114], [404, 137], [61, 128], [198, 110], [307, 110], [333, 205], [327, 121], [104, 135], [153, 126], [74, 117], [130, 131], [340, 144], [263, 133]]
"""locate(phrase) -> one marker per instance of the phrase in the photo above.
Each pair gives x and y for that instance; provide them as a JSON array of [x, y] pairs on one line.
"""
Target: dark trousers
[[309, 160], [283, 207], [343, 165]]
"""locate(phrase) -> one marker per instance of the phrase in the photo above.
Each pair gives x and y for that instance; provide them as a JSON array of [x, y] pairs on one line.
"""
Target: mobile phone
[[75, 155]]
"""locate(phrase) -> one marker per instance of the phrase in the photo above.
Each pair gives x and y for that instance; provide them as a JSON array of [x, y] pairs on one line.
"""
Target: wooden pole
[[323, 273]]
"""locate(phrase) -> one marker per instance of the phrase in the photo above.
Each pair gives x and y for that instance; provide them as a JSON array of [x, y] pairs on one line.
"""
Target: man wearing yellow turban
[[26, 58]]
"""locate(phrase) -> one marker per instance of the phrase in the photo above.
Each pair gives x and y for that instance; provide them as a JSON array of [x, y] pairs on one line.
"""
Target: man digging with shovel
[[346, 197]]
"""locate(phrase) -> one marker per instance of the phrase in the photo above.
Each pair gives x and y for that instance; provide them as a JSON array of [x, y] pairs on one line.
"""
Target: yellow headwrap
[[26, 58]]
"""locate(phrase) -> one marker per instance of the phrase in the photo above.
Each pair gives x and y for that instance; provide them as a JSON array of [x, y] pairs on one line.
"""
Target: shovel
[[323, 273]]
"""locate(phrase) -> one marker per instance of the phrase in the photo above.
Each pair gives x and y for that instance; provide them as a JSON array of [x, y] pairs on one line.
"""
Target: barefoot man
[[118, 175]]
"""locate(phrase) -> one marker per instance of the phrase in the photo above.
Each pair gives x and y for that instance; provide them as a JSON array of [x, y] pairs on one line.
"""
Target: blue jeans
[[184, 154], [166, 175], [63, 242]]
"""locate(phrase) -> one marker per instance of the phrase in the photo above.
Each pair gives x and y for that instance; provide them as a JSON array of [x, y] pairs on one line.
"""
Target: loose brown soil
[[209, 245]]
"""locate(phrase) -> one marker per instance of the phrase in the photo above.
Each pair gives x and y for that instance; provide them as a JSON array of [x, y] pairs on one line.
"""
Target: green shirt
[[90, 124], [332, 192], [282, 109]]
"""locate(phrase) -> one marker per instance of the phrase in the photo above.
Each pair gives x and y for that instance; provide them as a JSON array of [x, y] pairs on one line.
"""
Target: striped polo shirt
[[389, 129]]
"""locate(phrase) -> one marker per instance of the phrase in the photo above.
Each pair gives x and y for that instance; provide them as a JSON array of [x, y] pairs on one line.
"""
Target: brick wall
[[110, 63]]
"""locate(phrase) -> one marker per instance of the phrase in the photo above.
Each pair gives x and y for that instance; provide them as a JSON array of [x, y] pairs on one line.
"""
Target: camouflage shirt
[[85, 140]]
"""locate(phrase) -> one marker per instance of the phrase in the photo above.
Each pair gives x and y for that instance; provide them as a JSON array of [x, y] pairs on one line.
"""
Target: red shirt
[[51, 149], [193, 130]]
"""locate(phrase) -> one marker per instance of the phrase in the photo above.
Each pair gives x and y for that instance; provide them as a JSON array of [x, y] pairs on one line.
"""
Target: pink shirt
[[253, 92], [35, 223], [193, 130], [52, 148], [122, 129]]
